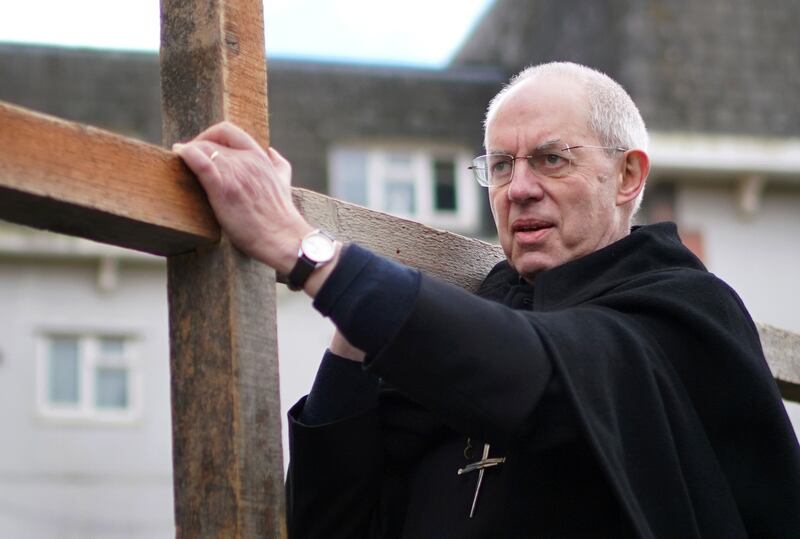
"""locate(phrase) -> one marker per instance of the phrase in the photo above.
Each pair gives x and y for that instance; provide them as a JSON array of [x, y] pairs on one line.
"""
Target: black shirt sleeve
[[368, 297]]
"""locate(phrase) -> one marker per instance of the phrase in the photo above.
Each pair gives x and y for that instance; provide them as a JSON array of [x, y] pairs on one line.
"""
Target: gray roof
[[716, 66], [118, 91]]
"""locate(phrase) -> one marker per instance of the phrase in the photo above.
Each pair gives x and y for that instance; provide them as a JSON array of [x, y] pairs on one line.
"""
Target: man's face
[[544, 222]]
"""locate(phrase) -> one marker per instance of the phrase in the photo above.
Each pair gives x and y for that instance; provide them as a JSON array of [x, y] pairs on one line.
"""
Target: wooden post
[[228, 465]]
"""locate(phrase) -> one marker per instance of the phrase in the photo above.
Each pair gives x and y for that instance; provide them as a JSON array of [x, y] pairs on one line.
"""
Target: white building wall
[[76, 478]]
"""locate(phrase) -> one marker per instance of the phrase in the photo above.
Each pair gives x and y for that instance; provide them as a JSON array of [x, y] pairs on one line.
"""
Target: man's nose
[[525, 184]]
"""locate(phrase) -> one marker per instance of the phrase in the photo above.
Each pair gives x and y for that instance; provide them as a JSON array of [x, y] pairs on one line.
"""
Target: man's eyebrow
[[542, 146], [547, 144]]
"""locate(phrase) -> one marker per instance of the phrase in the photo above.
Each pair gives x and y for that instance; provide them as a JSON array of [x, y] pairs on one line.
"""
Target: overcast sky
[[416, 32]]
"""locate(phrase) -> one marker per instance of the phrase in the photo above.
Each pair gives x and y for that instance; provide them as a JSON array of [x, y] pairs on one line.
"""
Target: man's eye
[[500, 166], [551, 161], [554, 159]]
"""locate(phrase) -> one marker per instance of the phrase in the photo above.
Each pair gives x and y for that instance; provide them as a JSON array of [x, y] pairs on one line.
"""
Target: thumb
[[280, 163]]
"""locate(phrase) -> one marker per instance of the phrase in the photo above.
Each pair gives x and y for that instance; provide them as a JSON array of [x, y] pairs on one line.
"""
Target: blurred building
[[84, 373]]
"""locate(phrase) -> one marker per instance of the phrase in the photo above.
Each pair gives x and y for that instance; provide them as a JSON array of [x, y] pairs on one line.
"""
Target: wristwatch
[[316, 249]]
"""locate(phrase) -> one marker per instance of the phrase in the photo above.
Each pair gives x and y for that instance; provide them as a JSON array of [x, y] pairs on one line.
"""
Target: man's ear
[[635, 168]]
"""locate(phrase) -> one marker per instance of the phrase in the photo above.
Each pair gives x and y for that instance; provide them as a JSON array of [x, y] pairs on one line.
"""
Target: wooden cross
[[78, 180]]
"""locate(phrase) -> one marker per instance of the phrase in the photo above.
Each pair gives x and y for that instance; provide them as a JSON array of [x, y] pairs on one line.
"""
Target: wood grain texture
[[782, 349], [228, 466], [83, 181], [227, 459], [453, 258]]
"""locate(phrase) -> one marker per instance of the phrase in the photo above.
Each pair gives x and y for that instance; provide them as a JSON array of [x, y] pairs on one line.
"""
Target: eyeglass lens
[[552, 161]]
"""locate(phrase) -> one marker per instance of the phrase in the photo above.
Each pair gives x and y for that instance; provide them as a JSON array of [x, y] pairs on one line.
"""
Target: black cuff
[[368, 297]]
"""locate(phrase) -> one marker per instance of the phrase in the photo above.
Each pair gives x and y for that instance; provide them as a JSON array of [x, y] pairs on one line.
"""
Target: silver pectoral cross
[[481, 466]]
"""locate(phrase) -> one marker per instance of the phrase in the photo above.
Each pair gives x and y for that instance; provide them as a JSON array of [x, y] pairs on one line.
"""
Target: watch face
[[318, 247]]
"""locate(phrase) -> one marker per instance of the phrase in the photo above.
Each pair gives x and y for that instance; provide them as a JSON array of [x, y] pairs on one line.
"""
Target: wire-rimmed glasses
[[552, 160]]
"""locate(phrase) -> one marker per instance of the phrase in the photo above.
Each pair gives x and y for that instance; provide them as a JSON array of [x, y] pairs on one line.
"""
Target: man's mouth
[[530, 231]]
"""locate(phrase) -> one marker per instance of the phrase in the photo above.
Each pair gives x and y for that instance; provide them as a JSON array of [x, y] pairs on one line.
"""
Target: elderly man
[[601, 384]]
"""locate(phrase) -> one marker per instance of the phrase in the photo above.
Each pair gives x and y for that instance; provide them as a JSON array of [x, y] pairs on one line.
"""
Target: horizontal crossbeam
[[456, 259], [83, 181]]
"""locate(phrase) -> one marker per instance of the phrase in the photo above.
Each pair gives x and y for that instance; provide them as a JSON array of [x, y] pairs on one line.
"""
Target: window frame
[[90, 358], [464, 219]]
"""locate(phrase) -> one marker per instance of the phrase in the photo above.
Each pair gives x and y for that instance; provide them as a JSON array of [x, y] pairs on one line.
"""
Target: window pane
[[111, 389], [349, 176], [444, 181], [399, 160], [112, 346], [63, 375], [398, 197]]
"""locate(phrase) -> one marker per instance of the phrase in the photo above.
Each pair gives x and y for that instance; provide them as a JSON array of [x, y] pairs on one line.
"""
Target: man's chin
[[531, 264]]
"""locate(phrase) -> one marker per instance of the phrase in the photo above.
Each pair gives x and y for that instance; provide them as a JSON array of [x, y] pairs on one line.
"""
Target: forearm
[[368, 297], [470, 360], [481, 366]]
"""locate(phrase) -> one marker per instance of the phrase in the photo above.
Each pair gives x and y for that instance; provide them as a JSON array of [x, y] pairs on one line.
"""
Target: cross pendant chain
[[481, 466]]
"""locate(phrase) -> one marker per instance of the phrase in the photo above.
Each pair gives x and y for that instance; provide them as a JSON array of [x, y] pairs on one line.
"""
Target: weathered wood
[[83, 181], [782, 349], [227, 458], [453, 258]]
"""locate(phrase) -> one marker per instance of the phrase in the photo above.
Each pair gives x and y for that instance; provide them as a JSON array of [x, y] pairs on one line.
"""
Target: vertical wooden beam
[[225, 404]]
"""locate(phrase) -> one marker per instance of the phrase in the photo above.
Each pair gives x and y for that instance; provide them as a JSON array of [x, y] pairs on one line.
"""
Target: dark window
[[444, 185]]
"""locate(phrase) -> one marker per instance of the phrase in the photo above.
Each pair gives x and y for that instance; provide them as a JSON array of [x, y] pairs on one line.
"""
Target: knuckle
[[205, 169]]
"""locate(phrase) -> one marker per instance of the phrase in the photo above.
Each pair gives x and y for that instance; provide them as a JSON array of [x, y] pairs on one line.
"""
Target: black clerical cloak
[[626, 389]]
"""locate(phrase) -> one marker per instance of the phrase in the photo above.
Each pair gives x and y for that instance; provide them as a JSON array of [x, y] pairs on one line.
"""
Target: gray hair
[[613, 116]]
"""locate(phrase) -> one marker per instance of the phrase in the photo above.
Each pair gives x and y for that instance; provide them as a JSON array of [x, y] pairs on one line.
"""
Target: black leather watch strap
[[300, 273], [317, 248]]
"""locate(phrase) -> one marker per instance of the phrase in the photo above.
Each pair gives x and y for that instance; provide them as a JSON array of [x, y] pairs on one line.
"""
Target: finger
[[230, 135], [280, 163], [275, 156], [201, 164], [207, 147]]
